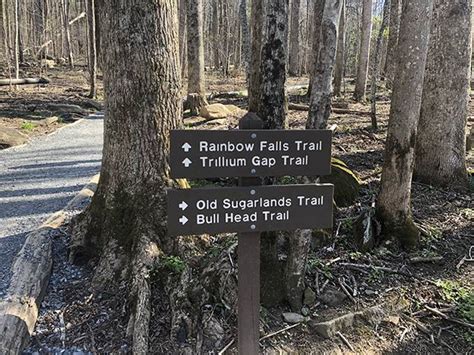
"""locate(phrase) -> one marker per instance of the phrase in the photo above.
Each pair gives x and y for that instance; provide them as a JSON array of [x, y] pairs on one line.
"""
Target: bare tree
[[340, 57], [316, 41], [390, 64], [364, 52], [123, 226], [244, 24], [394, 203], [440, 148], [195, 39], [92, 48], [294, 64], [321, 94]]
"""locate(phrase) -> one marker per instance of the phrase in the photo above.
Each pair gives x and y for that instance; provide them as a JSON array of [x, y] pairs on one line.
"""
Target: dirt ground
[[437, 276]]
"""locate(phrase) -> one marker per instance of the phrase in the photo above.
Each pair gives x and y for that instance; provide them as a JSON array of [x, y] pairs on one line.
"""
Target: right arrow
[[183, 205], [183, 220], [186, 147], [187, 162]]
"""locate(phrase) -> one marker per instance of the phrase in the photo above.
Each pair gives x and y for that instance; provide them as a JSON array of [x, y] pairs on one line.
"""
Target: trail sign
[[206, 154], [249, 209]]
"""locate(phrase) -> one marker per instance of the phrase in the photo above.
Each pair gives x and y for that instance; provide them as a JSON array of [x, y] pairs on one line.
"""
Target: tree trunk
[[321, 94], [182, 37], [390, 64], [196, 80], [92, 48], [255, 76], [17, 40], [363, 64], [440, 148], [376, 64], [294, 65], [124, 225], [393, 204], [244, 24], [316, 42], [273, 105], [67, 33], [340, 55]]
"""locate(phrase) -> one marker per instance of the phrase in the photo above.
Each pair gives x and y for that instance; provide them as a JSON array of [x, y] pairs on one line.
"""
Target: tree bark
[[67, 33], [124, 225], [182, 37], [92, 49], [393, 204], [273, 104], [255, 77], [340, 53], [440, 148], [376, 64], [316, 42], [195, 38], [294, 63], [321, 95], [244, 24], [16, 41], [363, 63], [390, 64]]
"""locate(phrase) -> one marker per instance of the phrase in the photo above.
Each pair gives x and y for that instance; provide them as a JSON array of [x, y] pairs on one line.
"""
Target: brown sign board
[[247, 153], [250, 209]]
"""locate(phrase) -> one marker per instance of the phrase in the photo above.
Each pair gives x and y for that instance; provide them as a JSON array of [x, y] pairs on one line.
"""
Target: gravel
[[40, 178]]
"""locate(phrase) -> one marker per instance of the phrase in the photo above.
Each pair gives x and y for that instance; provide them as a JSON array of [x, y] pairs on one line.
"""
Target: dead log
[[25, 81], [339, 111]]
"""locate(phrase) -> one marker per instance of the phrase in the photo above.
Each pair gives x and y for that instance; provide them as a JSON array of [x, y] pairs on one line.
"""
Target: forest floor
[[437, 276]]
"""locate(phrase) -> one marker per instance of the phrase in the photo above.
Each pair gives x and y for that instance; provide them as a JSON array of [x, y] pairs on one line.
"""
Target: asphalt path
[[40, 178]]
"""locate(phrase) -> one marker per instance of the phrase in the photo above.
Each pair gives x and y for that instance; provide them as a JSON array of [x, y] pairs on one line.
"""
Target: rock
[[293, 318], [332, 297], [10, 137], [215, 111], [49, 121], [329, 328], [346, 183], [392, 319], [48, 63], [309, 297], [305, 311], [213, 334]]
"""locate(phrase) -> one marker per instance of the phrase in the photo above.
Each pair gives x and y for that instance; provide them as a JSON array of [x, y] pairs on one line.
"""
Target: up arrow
[[183, 220], [186, 147], [187, 162], [183, 205]]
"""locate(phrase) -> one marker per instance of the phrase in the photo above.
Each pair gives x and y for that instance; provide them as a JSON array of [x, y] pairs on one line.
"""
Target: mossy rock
[[345, 181]]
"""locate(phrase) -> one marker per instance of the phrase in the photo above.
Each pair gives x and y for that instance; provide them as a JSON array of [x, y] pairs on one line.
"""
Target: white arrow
[[187, 162], [183, 205], [186, 147], [183, 220]]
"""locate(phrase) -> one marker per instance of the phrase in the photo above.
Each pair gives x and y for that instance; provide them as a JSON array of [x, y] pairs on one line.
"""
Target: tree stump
[[195, 103]]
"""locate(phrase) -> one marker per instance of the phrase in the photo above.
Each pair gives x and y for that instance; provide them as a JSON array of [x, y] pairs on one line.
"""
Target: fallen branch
[[346, 291], [25, 81], [279, 331], [344, 339], [341, 111], [422, 259], [449, 319], [226, 347]]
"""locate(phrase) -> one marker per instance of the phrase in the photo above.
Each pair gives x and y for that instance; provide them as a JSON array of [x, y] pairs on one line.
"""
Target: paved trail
[[40, 178]]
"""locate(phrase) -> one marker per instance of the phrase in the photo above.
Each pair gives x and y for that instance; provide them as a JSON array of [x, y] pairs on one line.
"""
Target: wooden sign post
[[251, 208]]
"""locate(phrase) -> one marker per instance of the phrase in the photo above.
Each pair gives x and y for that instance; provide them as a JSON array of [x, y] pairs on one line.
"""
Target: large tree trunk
[[67, 32], [182, 37], [195, 38], [16, 48], [340, 54], [390, 64], [255, 76], [393, 204], [364, 52], [316, 42], [321, 95], [92, 48], [125, 224], [244, 24], [440, 148], [295, 50]]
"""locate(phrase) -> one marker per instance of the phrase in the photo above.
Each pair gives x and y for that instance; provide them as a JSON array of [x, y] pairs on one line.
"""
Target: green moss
[[174, 264], [346, 183], [400, 228]]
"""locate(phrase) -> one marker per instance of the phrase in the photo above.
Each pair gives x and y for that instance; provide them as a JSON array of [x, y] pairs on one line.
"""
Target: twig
[[224, 349], [344, 339], [421, 259], [324, 285], [452, 320], [346, 291], [405, 331], [425, 330], [317, 283], [279, 331]]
